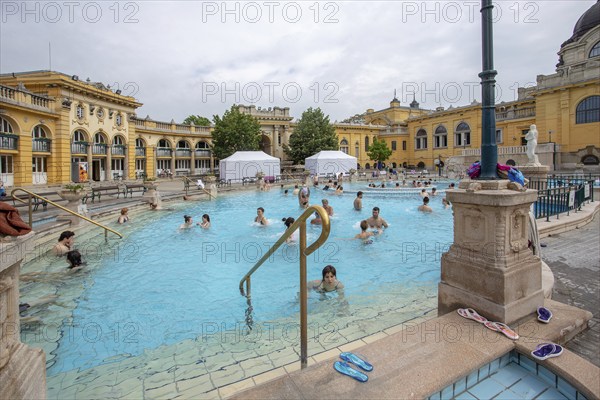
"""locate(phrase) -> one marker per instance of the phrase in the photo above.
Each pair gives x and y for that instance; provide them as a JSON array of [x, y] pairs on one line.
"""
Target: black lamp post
[[489, 149]]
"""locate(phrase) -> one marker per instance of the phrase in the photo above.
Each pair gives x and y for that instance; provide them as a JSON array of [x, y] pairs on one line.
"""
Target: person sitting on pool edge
[[329, 283], [425, 206], [65, 243], [187, 222], [260, 217], [74, 259]]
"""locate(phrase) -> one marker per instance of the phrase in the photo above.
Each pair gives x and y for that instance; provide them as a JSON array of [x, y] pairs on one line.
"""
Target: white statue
[[531, 138]]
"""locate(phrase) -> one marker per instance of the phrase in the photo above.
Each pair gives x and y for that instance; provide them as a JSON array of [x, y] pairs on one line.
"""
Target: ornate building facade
[[49, 121]]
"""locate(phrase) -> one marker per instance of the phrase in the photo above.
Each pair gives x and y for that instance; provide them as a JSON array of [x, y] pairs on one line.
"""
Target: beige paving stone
[[269, 375], [352, 345], [193, 395], [164, 392], [393, 329], [158, 380], [296, 366], [229, 390], [375, 337], [200, 383], [227, 375], [326, 355]]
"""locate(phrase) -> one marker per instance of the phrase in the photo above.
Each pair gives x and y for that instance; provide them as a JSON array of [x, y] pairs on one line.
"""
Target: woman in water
[[205, 222], [123, 217], [288, 222], [329, 283], [187, 222], [260, 217]]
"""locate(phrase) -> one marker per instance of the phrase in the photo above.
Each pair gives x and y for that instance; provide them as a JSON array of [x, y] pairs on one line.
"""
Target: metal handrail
[[304, 252], [189, 181], [32, 194]]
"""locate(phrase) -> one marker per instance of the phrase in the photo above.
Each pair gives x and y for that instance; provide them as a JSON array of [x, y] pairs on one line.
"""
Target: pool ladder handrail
[[300, 223], [30, 210], [189, 182]]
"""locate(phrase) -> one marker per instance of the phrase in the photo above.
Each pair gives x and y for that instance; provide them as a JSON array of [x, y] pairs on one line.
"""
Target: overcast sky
[[192, 57]]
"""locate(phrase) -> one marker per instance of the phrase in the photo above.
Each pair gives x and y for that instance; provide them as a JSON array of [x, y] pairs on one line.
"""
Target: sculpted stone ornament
[[531, 138]]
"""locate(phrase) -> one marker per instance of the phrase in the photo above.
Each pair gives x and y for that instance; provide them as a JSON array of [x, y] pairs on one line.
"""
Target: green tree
[[197, 120], [312, 134], [379, 151], [234, 132]]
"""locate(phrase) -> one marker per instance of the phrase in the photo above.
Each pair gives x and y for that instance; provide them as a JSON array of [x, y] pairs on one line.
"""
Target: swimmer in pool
[[329, 283], [364, 234], [187, 222], [205, 224], [260, 217]]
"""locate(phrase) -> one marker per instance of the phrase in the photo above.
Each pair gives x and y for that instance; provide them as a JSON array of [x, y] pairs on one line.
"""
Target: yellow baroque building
[[51, 122]]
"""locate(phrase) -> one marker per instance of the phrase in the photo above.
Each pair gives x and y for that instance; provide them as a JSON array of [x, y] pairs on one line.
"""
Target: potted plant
[[260, 175], [210, 178], [72, 192], [150, 183]]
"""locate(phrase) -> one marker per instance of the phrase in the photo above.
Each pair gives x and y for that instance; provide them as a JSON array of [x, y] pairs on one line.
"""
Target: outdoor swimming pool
[[160, 291]]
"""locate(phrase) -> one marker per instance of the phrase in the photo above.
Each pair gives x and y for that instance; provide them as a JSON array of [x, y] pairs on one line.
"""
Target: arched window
[[99, 138], [79, 136], [164, 143], [367, 166], [38, 132], [344, 146], [202, 146], [588, 110], [421, 139], [5, 126], [139, 142], [421, 165], [366, 143], [440, 137], [118, 140], [590, 159], [595, 52], [462, 135], [182, 144]]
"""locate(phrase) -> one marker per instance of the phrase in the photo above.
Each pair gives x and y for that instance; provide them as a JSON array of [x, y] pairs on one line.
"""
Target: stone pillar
[[489, 266], [22, 368], [73, 203], [537, 173]]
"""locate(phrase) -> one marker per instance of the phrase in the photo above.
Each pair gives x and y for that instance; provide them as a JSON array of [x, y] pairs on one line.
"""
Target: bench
[[248, 180], [223, 182], [36, 203], [98, 191], [135, 187]]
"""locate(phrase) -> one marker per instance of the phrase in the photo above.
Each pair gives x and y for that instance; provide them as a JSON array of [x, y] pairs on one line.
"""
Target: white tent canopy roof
[[246, 164], [250, 156], [329, 162]]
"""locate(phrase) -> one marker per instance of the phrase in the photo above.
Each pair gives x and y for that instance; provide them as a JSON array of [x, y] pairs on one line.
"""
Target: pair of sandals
[[544, 351], [343, 367], [469, 313]]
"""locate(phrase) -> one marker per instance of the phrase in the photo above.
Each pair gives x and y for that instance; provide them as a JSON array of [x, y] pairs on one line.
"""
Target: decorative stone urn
[[151, 195], [307, 180], [73, 197], [352, 175], [260, 180]]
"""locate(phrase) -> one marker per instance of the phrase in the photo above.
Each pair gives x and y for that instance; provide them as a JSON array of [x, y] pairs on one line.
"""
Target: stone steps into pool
[[425, 358]]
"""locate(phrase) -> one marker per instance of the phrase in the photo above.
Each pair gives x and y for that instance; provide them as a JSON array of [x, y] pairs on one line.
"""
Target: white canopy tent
[[246, 164], [330, 162]]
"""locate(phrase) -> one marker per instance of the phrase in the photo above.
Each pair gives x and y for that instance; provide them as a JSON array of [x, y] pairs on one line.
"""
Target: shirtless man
[[65, 243], [376, 221], [327, 207], [358, 201], [364, 233], [425, 206]]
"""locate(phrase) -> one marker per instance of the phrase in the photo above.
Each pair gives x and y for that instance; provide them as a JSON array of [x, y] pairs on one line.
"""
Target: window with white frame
[[421, 139], [462, 135], [440, 137], [344, 146], [499, 138], [79, 111], [38, 132], [595, 52], [116, 164], [5, 126], [119, 119], [140, 143], [99, 138], [6, 164], [79, 136], [183, 165], [118, 140], [164, 143]]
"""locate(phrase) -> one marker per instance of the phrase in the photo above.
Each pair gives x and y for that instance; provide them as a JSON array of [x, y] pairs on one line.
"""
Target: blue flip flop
[[547, 350], [544, 314], [344, 368], [354, 359]]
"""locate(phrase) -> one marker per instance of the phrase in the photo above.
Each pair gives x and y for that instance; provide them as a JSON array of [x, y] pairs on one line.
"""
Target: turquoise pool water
[[161, 286]]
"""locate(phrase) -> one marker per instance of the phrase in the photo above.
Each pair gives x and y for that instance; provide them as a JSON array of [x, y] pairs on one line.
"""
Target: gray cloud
[[346, 58]]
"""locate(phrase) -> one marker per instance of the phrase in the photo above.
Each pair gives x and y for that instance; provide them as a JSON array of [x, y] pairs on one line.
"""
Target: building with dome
[[50, 120]]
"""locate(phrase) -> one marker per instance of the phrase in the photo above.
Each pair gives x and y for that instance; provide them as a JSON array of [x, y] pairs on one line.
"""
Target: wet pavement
[[574, 258]]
